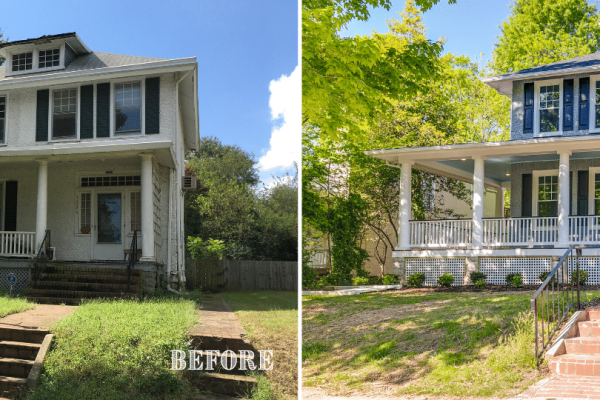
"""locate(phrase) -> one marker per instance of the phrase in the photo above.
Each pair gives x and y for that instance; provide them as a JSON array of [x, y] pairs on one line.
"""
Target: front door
[[109, 227]]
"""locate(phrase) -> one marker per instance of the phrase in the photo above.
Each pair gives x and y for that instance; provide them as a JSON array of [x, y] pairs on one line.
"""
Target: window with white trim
[[2, 119], [49, 58], [128, 107], [64, 114], [136, 211], [549, 108], [547, 196], [22, 62], [85, 213]]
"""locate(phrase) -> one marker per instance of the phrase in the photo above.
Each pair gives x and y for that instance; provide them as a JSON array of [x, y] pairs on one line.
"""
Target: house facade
[[551, 165], [92, 150]]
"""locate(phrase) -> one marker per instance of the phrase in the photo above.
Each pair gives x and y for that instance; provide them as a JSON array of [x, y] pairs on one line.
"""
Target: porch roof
[[456, 160]]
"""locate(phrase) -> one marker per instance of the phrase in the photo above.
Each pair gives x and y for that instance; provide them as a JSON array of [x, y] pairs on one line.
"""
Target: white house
[[551, 164], [92, 149]]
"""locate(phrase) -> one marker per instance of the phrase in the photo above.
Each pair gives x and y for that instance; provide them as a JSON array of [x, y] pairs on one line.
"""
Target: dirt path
[[310, 393], [42, 316]]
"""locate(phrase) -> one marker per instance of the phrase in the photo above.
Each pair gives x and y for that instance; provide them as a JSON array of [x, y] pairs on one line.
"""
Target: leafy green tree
[[2, 41], [539, 32]]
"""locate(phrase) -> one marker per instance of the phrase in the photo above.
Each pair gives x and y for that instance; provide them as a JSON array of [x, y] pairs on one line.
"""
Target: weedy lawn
[[271, 320], [11, 305], [420, 341]]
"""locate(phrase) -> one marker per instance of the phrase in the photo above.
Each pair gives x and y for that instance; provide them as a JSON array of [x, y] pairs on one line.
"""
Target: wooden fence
[[230, 275]]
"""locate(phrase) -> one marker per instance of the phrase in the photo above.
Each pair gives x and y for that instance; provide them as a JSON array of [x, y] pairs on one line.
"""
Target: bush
[[416, 280], [389, 279], [480, 284], [211, 248], [516, 281], [583, 277], [446, 280], [509, 277], [543, 275], [360, 280], [477, 276]]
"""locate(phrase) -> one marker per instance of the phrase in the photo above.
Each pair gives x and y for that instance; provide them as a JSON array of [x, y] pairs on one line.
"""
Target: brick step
[[92, 278], [10, 333], [589, 328], [54, 300], [576, 365], [75, 294], [23, 350], [593, 313], [85, 286], [230, 385], [11, 386], [15, 367], [89, 271]]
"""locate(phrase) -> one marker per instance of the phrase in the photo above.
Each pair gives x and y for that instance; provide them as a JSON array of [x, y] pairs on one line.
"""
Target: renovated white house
[[92, 149], [551, 164]]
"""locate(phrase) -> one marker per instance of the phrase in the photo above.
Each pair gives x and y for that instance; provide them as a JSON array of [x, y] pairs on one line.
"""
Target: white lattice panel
[[433, 268], [22, 275], [496, 268], [591, 265]]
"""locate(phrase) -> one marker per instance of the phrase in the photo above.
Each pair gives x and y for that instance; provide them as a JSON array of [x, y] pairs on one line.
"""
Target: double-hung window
[[547, 196], [128, 107], [548, 113], [49, 58], [64, 114], [2, 120], [22, 62]]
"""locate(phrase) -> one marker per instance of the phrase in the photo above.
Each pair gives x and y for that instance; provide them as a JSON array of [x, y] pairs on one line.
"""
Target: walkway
[[216, 320], [560, 387], [43, 316]]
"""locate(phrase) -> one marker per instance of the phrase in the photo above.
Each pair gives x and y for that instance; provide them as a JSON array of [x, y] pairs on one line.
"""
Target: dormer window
[[22, 62], [49, 58]]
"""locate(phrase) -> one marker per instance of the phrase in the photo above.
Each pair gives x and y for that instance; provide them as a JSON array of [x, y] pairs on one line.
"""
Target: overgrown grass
[[419, 342], [11, 305], [271, 320], [118, 349]]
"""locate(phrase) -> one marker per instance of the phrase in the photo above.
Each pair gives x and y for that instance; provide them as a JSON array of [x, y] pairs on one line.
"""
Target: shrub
[[374, 280], [416, 280], [389, 279], [446, 280], [211, 248], [516, 281], [480, 284], [543, 275], [477, 276], [583, 277], [360, 280], [509, 277]]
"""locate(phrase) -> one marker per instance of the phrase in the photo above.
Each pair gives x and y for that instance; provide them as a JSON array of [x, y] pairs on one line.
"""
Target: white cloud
[[286, 110]]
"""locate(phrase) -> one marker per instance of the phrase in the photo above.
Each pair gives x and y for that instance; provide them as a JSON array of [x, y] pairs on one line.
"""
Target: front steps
[[63, 284], [582, 356]]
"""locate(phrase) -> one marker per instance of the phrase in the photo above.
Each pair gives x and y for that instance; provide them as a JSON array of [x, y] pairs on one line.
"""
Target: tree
[[539, 32], [2, 41]]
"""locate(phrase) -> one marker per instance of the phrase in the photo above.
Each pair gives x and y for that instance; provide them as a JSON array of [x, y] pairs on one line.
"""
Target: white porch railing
[[520, 231], [442, 233], [17, 244], [584, 229]]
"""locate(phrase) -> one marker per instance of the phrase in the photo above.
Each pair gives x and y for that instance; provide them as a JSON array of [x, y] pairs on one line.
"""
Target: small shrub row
[[418, 280]]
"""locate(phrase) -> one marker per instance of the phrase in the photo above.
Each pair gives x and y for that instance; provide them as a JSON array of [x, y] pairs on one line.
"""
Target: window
[[64, 114], [549, 108], [128, 107], [85, 215], [547, 196], [136, 211], [49, 58], [2, 119], [100, 181], [22, 62]]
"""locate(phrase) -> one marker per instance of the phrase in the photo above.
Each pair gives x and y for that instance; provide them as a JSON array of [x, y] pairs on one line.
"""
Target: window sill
[[547, 134], [72, 140]]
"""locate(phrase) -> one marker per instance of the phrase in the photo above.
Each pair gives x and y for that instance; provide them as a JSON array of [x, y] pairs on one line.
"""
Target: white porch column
[[563, 199], [147, 209], [405, 207], [41, 216], [478, 178], [500, 202]]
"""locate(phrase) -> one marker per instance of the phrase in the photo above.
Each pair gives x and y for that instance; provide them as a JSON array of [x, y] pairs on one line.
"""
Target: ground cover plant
[[119, 349], [420, 341], [271, 321], [11, 305]]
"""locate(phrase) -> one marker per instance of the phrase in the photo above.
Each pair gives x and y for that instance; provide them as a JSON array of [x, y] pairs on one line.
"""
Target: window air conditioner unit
[[188, 183]]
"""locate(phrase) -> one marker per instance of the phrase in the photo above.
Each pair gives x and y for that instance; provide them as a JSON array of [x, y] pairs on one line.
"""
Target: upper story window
[[128, 107], [64, 114], [2, 120], [548, 108], [49, 58], [22, 62]]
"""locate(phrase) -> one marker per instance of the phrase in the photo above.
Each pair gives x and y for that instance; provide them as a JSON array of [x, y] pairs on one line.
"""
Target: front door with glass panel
[[109, 227]]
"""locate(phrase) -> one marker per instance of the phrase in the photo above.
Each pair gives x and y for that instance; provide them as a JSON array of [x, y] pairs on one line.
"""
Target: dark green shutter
[[570, 193], [41, 115], [582, 192], [103, 110], [568, 105], [526, 191], [584, 104], [152, 105], [10, 206], [528, 108], [86, 116]]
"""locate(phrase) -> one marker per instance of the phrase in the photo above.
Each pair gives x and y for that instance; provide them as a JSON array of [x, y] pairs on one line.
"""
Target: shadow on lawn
[[264, 300]]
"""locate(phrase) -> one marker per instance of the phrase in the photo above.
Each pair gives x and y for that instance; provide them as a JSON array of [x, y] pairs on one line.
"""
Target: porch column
[[500, 202], [563, 200], [41, 216], [147, 209], [478, 188], [405, 207]]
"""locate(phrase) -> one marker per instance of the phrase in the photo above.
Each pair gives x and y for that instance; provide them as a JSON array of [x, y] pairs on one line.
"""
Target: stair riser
[[224, 387], [586, 329], [221, 344], [18, 335], [75, 294], [11, 388], [18, 352], [14, 370], [90, 271], [95, 287], [594, 315], [575, 369], [218, 368]]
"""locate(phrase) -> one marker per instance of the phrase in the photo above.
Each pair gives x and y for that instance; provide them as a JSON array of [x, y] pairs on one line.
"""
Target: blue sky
[[241, 46]]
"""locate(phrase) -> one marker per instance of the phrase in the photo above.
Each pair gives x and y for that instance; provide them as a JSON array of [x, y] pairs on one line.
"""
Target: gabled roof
[[582, 64], [71, 38]]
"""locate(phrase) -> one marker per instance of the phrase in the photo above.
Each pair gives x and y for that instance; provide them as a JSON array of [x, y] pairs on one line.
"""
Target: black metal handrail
[[132, 259], [42, 254], [554, 299]]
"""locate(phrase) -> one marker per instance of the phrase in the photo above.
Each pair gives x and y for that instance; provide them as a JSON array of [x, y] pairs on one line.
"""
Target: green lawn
[[118, 349], [11, 305], [271, 321], [419, 341]]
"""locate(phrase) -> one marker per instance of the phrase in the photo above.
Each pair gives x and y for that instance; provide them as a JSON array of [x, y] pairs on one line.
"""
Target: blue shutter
[[526, 192], [528, 108], [584, 103], [41, 115], [568, 105], [152, 105], [103, 110]]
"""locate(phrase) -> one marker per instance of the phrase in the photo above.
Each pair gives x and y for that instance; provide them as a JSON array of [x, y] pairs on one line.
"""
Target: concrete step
[[232, 362], [86, 286], [15, 367], [54, 300], [73, 294], [230, 385], [205, 342], [11, 386], [576, 365], [23, 350], [18, 334]]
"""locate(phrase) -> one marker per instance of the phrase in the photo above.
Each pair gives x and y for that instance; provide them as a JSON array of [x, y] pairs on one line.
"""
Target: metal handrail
[[43, 248], [132, 259], [549, 301]]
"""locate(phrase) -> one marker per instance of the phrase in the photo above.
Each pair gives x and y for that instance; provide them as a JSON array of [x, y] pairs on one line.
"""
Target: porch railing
[[441, 233], [520, 231], [584, 229], [17, 244]]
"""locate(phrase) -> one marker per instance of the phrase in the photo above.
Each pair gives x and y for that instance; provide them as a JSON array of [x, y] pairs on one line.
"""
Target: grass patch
[[271, 320], [118, 349], [420, 342], [11, 305]]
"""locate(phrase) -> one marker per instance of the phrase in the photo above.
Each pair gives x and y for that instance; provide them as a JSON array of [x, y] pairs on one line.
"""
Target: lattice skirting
[[433, 268], [591, 265], [22, 274], [496, 268]]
